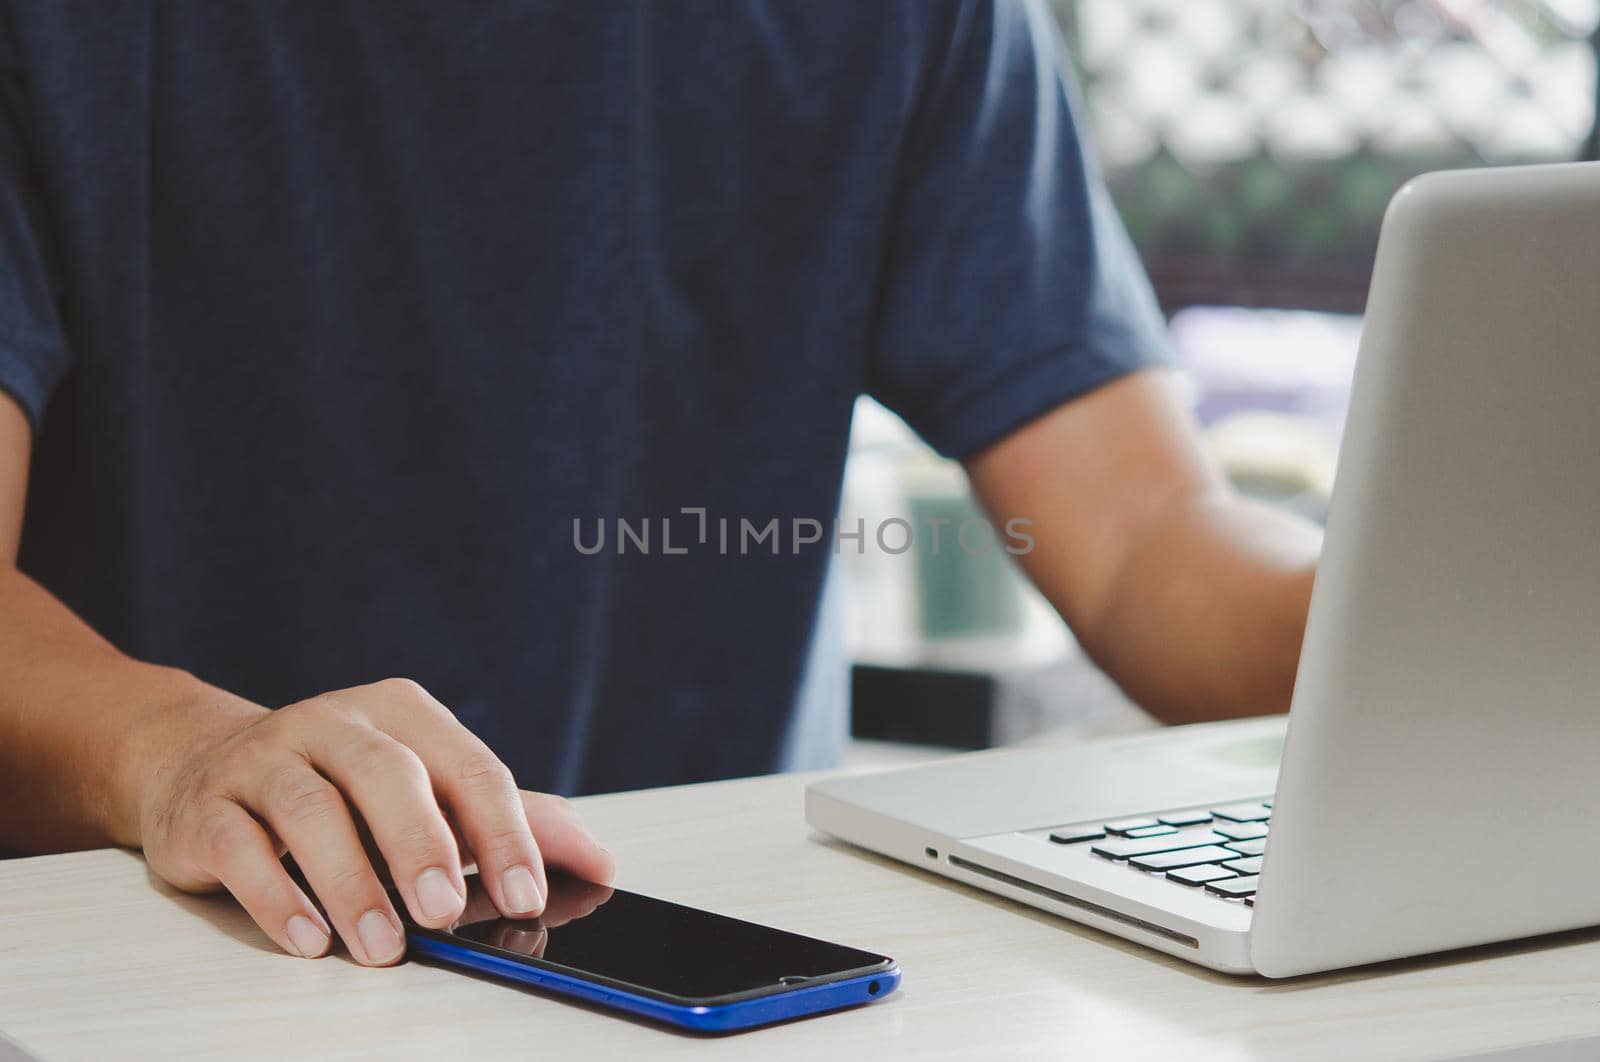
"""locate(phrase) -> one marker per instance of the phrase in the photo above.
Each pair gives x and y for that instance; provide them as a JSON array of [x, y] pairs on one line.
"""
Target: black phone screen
[[652, 946]]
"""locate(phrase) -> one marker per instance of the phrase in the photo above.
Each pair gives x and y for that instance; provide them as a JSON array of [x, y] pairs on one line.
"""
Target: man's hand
[[225, 802]]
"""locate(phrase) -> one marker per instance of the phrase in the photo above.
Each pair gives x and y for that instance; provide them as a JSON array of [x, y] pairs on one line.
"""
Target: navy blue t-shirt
[[333, 318]]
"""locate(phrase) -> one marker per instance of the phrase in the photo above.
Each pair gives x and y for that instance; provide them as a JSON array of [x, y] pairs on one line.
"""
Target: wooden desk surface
[[97, 959]]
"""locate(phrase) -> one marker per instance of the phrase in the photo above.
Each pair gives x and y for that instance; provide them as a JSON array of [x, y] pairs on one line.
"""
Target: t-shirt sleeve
[[33, 350], [1010, 285]]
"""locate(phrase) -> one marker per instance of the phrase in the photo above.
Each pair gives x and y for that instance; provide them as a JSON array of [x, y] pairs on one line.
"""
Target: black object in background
[[922, 706]]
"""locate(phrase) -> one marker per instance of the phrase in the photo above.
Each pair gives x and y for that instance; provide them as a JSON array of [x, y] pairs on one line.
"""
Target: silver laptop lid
[[1439, 782]]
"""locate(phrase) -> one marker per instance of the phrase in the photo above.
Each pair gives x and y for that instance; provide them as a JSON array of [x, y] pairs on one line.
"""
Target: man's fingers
[[487, 809], [478, 792], [310, 816], [391, 791], [565, 841], [240, 855]]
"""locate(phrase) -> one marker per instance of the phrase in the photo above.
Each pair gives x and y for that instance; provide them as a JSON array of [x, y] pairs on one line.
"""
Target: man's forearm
[[1193, 599], [76, 719], [1206, 613]]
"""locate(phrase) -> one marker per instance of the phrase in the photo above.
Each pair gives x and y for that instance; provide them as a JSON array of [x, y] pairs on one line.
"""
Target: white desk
[[99, 960]]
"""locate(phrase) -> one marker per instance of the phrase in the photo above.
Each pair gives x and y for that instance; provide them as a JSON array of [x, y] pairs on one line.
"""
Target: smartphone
[[660, 960]]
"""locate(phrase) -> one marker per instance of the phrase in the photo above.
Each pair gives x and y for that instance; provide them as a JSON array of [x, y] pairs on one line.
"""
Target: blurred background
[[1251, 146]]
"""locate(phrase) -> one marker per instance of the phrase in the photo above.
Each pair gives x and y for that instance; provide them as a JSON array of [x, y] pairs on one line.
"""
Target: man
[[320, 326]]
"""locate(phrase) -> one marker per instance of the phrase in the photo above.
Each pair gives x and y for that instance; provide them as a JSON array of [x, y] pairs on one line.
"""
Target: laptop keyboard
[[1215, 849]]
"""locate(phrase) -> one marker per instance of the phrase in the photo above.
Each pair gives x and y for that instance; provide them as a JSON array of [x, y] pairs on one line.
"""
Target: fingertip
[[308, 939], [521, 892], [438, 900], [378, 940]]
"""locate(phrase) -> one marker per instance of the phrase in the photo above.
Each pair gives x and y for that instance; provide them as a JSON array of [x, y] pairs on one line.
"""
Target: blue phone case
[[720, 1017]]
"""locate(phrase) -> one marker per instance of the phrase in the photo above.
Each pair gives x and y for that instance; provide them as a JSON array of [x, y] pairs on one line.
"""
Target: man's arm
[[1193, 599], [98, 748]]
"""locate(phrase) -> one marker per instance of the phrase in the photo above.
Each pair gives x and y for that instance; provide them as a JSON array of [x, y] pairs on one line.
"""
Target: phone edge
[[723, 1017]]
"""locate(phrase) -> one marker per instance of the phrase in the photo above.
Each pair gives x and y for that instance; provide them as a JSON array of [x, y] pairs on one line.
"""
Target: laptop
[[1436, 783]]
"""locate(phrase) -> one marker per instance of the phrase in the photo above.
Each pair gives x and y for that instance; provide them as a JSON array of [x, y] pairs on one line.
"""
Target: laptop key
[[1122, 826], [1148, 845], [1158, 830], [1188, 857], [1240, 831], [1234, 888], [1076, 834], [1253, 847], [1250, 865], [1185, 818], [1243, 813], [1200, 875]]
